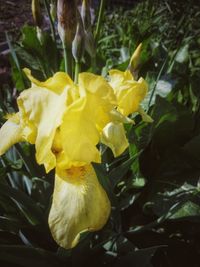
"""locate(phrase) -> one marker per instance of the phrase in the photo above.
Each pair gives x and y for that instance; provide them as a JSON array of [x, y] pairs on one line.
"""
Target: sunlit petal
[[114, 137], [10, 133], [57, 83], [129, 92], [79, 134], [43, 109], [79, 204]]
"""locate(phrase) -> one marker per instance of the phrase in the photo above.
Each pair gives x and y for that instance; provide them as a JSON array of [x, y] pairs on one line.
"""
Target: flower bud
[[90, 44], [67, 20], [36, 12], [78, 42], [53, 10], [135, 59], [85, 14]]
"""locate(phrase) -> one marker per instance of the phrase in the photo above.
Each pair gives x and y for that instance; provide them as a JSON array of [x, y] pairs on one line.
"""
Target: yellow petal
[[57, 83], [114, 137], [117, 77], [116, 116], [10, 133], [96, 85], [100, 95], [79, 134], [129, 93], [79, 204], [42, 111]]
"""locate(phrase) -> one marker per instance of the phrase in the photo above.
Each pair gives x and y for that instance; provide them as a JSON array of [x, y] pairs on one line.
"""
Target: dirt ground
[[13, 15]]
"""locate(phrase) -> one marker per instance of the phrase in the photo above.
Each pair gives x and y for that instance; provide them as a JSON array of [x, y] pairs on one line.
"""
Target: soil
[[13, 15]]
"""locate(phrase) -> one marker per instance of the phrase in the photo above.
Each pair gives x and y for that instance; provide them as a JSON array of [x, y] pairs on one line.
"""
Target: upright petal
[[98, 86], [10, 133], [129, 92], [79, 134], [79, 204], [100, 95]]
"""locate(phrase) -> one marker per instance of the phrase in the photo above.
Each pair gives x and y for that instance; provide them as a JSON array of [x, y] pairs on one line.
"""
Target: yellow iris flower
[[65, 122]]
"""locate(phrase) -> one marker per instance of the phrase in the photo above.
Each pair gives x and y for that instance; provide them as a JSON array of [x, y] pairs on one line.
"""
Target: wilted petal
[[43, 110], [79, 204], [114, 137], [10, 133]]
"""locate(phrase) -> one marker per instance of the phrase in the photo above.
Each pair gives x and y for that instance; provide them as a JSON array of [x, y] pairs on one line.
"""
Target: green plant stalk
[[51, 21], [68, 59], [77, 70], [99, 21], [93, 64], [157, 79]]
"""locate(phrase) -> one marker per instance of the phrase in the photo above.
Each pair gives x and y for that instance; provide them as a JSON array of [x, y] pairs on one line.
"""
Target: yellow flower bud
[[67, 20], [36, 11], [135, 59]]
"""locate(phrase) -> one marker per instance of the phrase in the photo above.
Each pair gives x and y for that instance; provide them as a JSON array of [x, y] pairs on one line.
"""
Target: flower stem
[[94, 64], [77, 70], [68, 59], [99, 21]]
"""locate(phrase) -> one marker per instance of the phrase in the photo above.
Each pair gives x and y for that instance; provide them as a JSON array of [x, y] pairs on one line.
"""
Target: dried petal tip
[[67, 20]]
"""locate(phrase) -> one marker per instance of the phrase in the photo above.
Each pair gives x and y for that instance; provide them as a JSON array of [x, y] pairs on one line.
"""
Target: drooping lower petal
[[79, 204], [10, 133]]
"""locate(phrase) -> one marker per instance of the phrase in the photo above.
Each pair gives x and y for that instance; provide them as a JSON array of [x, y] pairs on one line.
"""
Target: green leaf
[[28, 257], [138, 258], [188, 209], [25, 204]]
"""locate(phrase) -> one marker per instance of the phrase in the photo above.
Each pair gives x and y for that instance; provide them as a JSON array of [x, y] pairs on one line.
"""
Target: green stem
[[68, 59], [77, 70], [51, 21], [93, 64], [99, 21]]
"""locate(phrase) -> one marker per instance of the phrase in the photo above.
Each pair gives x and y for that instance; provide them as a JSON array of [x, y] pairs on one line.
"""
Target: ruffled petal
[[129, 93], [117, 77], [98, 86], [79, 204], [114, 137], [57, 83], [10, 133], [79, 135], [42, 112]]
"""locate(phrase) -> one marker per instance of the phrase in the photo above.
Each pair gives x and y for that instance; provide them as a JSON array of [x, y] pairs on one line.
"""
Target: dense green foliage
[[154, 186]]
